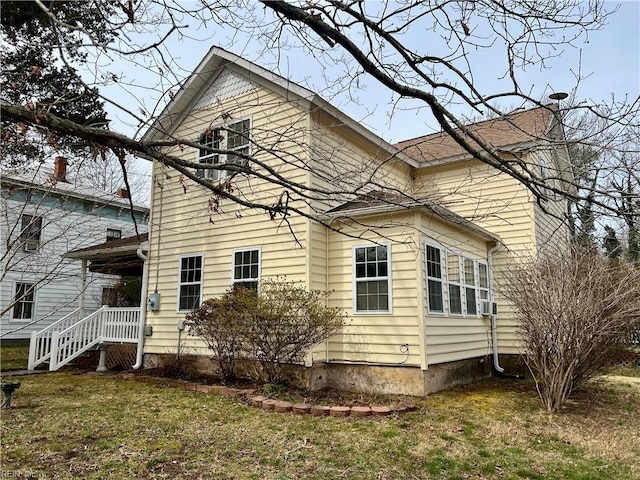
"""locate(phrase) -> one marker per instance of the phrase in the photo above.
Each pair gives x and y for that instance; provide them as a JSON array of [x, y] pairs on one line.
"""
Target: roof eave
[[449, 218], [64, 193], [106, 252]]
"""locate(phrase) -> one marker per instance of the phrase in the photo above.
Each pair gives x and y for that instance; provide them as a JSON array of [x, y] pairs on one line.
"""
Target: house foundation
[[373, 379]]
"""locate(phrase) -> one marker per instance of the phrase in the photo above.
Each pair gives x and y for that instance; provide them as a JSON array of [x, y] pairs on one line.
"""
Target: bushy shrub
[[222, 324], [575, 310], [290, 320], [275, 327]]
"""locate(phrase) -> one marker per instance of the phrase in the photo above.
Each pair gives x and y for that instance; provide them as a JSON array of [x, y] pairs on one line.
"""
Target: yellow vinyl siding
[[452, 337], [185, 225], [342, 161], [377, 337], [498, 203]]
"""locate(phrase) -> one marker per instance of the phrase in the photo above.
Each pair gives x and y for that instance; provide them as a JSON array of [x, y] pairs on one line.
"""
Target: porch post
[[102, 363], [83, 286]]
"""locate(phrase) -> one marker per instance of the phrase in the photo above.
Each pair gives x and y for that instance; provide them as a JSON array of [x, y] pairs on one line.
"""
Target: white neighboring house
[[43, 217]]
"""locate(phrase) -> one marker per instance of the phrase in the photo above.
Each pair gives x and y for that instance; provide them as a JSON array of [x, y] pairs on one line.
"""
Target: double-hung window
[[483, 282], [31, 232], [23, 302], [458, 287], [209, 140], [435, 294], [190, 282], [470, 286], [453, 277], [246, 268], [235, 136], [372, 278]]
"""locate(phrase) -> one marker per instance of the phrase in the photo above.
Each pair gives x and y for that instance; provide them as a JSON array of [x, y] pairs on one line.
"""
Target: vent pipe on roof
[[60, 168], [123, 193]]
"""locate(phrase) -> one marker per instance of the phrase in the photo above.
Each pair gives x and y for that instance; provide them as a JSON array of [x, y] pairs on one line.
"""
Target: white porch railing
[[40, 345], [68, 341]]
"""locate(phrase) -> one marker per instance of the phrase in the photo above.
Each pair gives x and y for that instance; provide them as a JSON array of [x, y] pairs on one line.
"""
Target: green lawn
[[85, 426], [13, 357]]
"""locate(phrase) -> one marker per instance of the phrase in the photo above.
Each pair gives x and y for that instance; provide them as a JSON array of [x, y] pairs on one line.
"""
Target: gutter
[[143, 307], [494, 325]]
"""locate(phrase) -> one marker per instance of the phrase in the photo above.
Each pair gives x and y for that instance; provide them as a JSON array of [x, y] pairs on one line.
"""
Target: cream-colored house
[[409, 238]]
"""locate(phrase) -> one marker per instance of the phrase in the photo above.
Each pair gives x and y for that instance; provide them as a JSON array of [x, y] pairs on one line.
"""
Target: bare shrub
[[290, 321], [222, 324], [575, 310], [275, 327]]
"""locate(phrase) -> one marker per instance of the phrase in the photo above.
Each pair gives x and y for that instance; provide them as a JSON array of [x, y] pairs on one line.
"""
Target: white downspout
[[494, 323], [143, 307]]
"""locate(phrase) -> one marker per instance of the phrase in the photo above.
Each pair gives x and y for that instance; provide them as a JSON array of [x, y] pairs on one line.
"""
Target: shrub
[[290, 320], [275, 327], [222, 324], [575, 310]]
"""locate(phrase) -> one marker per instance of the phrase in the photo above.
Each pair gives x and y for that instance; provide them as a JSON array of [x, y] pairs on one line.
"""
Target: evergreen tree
[[611, 245], [40, 59]]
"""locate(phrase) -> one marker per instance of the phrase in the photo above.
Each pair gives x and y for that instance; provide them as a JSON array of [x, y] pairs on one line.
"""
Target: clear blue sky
[[611, 59]]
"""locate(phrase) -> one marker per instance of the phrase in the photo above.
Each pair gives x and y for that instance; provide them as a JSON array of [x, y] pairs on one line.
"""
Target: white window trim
[[443, 278], [35, 302], [233, 265], [365, 279], [446, 308], [476, 286], [481, 289], [222, 158], [201, 283], [459, 283], [23, 242]]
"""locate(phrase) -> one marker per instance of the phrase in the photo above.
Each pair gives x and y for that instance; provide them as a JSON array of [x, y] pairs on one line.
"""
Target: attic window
[[235, 136]]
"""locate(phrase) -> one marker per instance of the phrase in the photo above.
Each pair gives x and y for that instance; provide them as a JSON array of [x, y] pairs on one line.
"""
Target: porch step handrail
[[106, 325], [40, 344], [120, 324]]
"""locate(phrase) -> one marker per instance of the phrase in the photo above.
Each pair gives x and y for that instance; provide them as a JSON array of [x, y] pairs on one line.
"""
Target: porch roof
[[115, 257]]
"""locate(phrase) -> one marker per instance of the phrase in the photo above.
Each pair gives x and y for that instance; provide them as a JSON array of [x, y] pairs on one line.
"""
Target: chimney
[[60, 168], [123, 193]]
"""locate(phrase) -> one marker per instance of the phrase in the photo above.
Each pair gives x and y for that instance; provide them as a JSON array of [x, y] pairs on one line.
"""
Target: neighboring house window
[[453, 277], [246, 268], [190, 282], [31, 232], [470, 286], [23, 302], [113, 234], [434, 280], [235, 136], [372, 278]]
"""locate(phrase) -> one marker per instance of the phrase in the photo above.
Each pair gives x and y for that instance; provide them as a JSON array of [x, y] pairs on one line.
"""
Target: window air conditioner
[[31, 245], [485, 307]]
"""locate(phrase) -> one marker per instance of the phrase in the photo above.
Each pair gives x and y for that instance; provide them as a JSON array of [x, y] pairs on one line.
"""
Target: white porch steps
[[71, 336]]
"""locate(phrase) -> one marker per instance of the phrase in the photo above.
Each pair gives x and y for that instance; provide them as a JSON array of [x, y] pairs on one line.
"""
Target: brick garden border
[[249, 397]]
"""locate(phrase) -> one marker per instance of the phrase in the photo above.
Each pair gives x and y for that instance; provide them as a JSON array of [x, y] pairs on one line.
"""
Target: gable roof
[[42, 179], [214, 63], [377, 202], [514, 131]]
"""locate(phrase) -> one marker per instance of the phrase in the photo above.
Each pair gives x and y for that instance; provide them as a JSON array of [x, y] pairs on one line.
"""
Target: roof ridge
[[514, 113]]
